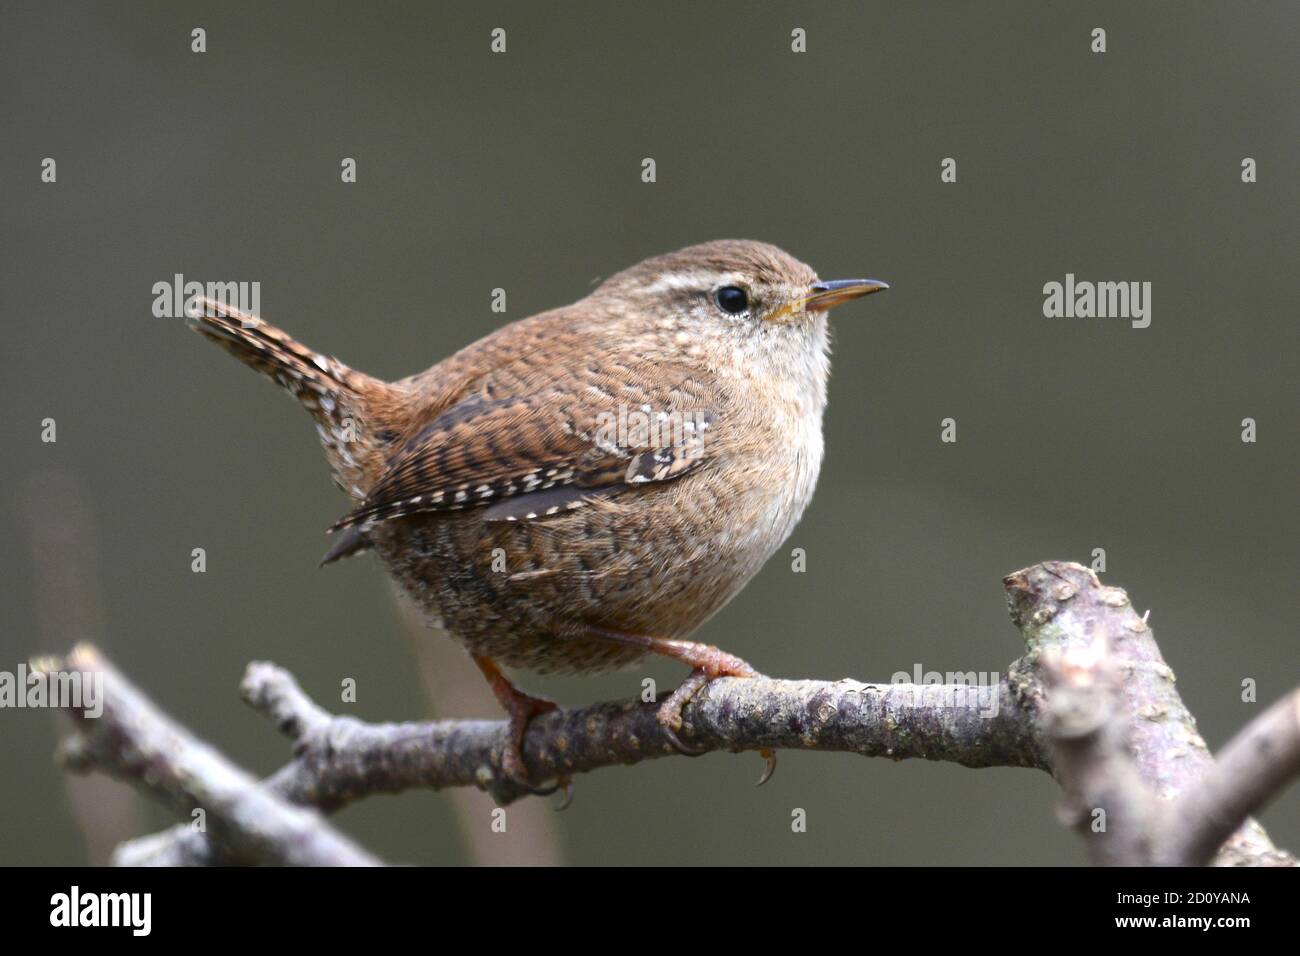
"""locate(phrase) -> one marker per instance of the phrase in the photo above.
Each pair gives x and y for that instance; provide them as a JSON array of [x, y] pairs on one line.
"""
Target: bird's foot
[[707, 663], [521, 708], [710, 663]]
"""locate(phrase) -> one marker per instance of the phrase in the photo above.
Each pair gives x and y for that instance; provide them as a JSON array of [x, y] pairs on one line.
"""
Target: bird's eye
[[731, 299]]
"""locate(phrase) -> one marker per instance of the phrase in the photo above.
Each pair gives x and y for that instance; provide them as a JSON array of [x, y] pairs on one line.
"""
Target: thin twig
[[1251, 769], [135, 741]]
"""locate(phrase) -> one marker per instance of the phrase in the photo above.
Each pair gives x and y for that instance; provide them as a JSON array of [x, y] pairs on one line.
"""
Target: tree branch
[[1122, 740], [1091, 701], [339, 759], [1252, 769], [135, 741], [1088, 740]]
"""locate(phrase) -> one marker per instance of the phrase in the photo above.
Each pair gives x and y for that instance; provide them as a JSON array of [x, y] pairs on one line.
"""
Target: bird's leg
[[706, 662], [520, 708]]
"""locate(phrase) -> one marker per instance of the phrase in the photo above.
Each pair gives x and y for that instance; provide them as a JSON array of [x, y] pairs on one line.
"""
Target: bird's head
[[735, 287]]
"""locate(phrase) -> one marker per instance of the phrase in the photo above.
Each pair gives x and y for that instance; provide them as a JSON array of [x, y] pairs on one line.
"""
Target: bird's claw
[[567, 784], [683, 748], [670, 719], [670, 712], [528, 786]]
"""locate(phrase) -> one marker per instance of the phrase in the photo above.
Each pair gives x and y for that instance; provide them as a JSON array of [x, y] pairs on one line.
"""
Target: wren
[[590, 484]]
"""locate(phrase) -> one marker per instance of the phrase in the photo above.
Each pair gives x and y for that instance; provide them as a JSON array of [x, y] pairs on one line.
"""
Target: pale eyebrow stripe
[[678, 281]]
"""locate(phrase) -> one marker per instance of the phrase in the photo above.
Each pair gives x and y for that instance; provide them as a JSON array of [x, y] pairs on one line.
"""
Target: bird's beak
[[824, 295]]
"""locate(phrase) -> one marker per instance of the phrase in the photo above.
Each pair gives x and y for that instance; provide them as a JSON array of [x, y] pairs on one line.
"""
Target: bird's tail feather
[[337, 396], [273, 352]]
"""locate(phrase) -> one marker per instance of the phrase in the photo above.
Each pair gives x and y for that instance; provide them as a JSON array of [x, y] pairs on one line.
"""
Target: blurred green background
[[522, 171]]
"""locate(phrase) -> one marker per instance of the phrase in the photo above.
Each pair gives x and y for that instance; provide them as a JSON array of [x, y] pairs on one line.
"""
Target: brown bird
[[588, 485]]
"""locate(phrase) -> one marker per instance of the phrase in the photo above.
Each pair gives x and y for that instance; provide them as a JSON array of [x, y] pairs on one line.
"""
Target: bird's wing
[[527, 457]]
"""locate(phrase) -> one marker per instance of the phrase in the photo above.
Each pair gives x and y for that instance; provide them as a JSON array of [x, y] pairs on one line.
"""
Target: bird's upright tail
[[347, 405]]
